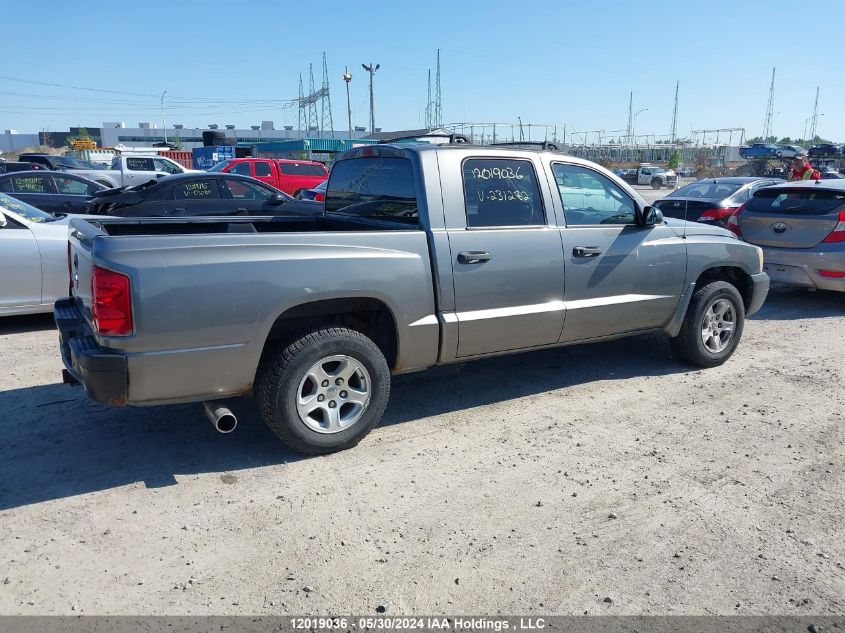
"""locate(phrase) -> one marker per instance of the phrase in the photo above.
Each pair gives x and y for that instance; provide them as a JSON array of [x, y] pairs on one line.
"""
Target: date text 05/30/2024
[[410, 623]]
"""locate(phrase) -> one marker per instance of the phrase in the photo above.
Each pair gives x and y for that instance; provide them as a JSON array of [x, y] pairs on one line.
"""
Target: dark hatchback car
[[712, 200], [199, 193], [50, 191], [16, 165]]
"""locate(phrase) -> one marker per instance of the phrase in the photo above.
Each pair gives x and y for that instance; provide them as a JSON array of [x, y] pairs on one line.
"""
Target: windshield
[[220, 166], [706, 190], [67, 161], [24, 210]]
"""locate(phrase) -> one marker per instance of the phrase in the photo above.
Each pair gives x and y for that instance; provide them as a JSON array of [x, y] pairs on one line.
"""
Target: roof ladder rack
[[541, 144], [453, 138]]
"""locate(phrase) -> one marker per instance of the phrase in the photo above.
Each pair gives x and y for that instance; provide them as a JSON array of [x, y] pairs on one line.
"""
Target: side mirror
[[277, 198], [652, 216], [2, 220]]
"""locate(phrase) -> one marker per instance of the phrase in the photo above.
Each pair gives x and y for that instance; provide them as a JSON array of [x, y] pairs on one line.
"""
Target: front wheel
[[655, 184], [324, 391], [712, 326]]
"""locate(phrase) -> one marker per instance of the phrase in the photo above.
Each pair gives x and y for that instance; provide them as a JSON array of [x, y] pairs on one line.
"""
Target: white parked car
[[33, 258]]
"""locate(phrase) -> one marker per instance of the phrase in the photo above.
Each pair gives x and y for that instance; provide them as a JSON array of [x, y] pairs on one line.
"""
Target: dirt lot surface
[[591, 479]]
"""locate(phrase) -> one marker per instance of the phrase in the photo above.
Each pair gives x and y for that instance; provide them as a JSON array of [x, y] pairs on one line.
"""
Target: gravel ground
[[593, 479]]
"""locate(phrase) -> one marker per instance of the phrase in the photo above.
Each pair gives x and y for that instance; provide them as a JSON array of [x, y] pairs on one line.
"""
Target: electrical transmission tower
[[770, 110], [630, 118], [438, 97], [303, 122], [307, 103], [814, 119], [312, 103], [673, 133], [326, 123]]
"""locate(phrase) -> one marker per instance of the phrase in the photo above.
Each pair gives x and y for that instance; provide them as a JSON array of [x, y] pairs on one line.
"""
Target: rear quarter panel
[[203, 305]]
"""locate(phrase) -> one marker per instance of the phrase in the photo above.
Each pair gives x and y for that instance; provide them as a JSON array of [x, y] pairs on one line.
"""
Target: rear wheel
[[712, 326], [655, 184], [324, 391]]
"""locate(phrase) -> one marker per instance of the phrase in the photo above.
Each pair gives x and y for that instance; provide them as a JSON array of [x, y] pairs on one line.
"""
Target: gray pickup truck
[[424, 255]]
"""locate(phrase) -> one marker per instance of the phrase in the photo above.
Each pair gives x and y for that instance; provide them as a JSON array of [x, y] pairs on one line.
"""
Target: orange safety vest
[[807, 173]]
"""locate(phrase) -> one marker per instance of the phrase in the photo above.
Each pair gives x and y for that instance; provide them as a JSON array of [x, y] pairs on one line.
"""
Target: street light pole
[[372, 68], [163, 122], [347, 77]]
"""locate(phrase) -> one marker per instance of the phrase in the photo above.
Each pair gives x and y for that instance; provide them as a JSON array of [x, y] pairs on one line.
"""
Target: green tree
[[675, 159]]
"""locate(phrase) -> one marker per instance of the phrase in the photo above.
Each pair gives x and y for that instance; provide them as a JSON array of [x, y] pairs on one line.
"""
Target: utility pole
[[673, 134], [164, 123], [372, 68], [438, 101], [347, 77], [770, 110], [630, 116], [428, 114]]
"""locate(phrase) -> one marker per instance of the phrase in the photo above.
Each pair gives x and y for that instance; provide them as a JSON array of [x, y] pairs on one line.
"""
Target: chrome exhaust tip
[[221, 417]]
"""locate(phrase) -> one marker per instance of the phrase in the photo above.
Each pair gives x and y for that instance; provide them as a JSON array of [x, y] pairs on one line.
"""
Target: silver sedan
[[33, 258], [801, 228]]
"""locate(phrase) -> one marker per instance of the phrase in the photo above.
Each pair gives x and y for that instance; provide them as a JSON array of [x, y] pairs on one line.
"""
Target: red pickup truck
[[290, 176]]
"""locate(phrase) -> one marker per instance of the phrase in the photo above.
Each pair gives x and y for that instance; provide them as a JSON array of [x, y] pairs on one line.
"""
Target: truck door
[[644, 176], [506, 255], [138, 170], [619, 277]]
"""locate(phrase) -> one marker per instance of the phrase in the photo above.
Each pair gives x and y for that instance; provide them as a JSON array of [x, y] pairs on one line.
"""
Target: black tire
[[655, 184], [285, 366], [689, 345], [780, 154]]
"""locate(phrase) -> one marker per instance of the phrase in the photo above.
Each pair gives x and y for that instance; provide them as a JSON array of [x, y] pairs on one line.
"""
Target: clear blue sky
[[552, 61]]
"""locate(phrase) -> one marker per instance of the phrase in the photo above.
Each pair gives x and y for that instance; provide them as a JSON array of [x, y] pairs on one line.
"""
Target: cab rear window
[[302, 169], [796, 201], [375, 187]]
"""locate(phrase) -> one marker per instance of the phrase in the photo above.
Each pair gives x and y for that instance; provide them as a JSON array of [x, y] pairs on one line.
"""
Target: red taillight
[[838, 232], [833, 274], [111, 301], [718, 214], [319, 197], [733, 221]]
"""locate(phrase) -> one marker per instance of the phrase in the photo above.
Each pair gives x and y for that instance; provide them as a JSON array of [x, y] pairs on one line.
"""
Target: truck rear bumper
[[101, 372]]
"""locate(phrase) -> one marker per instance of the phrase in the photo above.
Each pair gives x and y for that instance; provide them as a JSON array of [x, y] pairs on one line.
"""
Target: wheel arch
[[370, 316]]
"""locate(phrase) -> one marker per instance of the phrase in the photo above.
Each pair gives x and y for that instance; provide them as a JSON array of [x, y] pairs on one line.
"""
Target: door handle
[[586, 251], [241, 209], [180, 209], [474, 257]]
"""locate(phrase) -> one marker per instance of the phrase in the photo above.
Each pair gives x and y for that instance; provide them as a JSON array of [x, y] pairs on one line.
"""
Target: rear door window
[[795, 201], [195, 190], [374, 187], [32, 184], [262, 169], [501, 192], [140, 164]]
